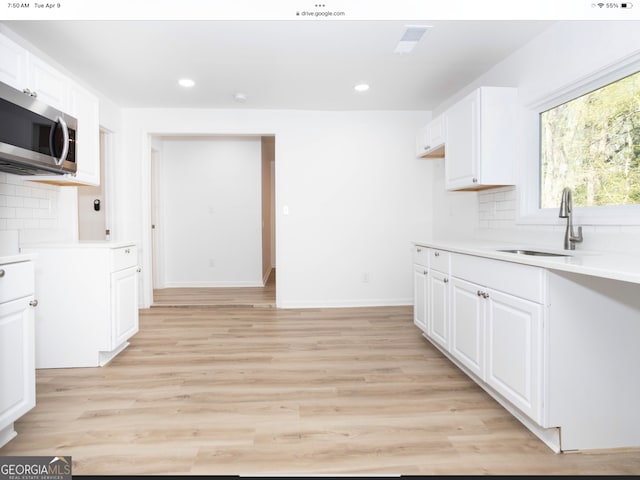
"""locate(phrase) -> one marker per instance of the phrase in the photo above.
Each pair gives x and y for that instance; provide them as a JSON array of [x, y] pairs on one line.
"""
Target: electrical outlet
[[365, 277]]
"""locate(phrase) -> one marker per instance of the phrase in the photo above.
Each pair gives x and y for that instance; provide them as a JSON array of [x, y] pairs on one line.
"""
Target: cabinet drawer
[[17, 281], [421, 255], [439, 260], [124, 257], [523, 281]]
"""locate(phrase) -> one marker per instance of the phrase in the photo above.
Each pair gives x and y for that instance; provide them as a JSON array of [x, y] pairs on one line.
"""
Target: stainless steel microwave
[[35, 138]]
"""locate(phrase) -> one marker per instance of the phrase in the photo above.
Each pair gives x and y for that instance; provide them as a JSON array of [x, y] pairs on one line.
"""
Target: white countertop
[[615, 266], [20, 257], [79, 244]]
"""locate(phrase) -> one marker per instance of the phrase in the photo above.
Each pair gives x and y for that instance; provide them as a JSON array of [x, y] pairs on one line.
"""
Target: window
[[592, 145]]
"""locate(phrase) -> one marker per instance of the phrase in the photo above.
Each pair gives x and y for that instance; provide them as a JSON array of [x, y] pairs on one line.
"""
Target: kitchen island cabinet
[[88, 309], [17, 344]]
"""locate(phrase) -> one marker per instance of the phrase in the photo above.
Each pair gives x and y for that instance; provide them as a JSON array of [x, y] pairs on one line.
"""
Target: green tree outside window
[[592, 145]]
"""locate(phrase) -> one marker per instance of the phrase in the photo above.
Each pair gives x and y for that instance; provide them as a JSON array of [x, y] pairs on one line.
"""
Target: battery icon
[[626, 5]]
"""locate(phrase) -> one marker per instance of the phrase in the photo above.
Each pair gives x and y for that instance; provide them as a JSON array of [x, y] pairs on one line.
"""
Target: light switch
[[285, 210]]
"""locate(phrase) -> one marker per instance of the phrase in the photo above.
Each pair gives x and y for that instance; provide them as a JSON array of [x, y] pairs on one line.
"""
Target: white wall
[[356, 195], [211, 211], [564, 53]]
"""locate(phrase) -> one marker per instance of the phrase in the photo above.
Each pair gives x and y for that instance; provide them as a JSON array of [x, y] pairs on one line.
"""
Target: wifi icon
[[601, 5]]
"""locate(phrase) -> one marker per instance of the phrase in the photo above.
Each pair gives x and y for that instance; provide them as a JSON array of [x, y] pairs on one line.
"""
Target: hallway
[[259, 297]]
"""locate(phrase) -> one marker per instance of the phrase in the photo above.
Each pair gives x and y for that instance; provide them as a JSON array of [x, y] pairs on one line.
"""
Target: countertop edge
[[34, 247], [611, 266], [17, 258]]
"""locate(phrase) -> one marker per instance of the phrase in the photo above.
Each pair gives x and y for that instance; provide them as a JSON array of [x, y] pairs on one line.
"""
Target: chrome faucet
[[566, 207]]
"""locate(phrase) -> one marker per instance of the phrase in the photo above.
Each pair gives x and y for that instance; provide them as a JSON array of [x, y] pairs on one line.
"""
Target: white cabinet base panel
[[7, 434], [106, 357]]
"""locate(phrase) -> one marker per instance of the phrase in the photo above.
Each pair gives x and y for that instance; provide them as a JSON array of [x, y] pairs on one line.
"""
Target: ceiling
[[309, 65]]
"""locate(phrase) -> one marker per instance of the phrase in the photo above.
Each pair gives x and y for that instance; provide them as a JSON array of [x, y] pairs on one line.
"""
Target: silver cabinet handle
[[138, 269], [126, 250], [485, 295], [437, 254], [425, 272], [446, 280], [33, 303], [475, 180], [479, 293], [418, 249], [427, 147], [2, 272]]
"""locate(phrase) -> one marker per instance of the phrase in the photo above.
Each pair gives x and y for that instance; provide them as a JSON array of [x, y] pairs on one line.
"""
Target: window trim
[[529, 179]]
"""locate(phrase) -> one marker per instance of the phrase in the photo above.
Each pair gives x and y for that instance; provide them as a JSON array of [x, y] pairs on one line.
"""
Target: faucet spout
[[566, 210]]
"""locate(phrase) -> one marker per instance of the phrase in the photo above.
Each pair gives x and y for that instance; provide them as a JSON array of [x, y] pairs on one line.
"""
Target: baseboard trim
[[402, 302], [214, 284]]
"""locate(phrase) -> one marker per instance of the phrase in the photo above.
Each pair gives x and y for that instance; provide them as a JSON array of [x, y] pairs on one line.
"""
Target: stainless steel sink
[[536, 252]]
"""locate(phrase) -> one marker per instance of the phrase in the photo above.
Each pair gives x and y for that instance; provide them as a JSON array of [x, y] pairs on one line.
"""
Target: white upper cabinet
[[431, 138], [13, 63], [482, 133], [85, 107], [28, 73], [47, 84]]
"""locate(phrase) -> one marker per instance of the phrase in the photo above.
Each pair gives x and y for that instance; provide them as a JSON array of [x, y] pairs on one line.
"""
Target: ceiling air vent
[[410, 38]]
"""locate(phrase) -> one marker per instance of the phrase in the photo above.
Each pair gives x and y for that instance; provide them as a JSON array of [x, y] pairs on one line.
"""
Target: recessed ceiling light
[[240, 97], [361, 87], [186, 82]]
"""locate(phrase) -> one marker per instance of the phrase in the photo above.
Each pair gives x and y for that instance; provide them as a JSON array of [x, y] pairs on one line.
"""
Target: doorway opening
[[93, 201], [213, 220]]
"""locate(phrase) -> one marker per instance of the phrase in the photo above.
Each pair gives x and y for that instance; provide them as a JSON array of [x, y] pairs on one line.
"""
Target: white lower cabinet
[[558, 350], [513, 339], [467, 325], [439, 307], [17, 345], [431, 293], [88, 307], [489, 324], [497, 327], [420, 296], [124, 305]]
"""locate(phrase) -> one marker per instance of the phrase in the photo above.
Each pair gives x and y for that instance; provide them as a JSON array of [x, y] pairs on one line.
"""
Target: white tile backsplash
[[27, 205], [497, 215]]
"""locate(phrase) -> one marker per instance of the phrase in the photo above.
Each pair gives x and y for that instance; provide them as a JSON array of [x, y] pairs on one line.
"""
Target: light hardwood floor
[[229, 296], [262, 391]]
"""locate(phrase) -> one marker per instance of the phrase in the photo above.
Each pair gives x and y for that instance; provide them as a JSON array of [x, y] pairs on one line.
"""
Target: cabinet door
[[514, 334], [422, 141], [467, 324], [439, 308], [420, 297], [13, 61], [84, 106], [124, 305], [17, 361], [50, 85], [437, 128], [461, 166]]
